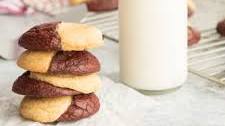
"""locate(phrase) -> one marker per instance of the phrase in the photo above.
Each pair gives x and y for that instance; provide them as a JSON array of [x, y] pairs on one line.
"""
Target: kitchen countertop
[[198, 102]]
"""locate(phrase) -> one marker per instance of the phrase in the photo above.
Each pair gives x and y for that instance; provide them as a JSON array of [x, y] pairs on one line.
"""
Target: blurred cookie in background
[[102, 5], [221, 27], [191, 8], [194, 36]]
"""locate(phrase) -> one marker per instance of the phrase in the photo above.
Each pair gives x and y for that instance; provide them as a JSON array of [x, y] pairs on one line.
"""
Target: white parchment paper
[[120, 106]]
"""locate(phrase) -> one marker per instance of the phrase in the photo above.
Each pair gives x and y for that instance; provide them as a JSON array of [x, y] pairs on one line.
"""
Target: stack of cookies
[[61, 75]]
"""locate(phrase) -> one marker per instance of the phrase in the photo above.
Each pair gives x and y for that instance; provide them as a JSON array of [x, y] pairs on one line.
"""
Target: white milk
[[153, 43]]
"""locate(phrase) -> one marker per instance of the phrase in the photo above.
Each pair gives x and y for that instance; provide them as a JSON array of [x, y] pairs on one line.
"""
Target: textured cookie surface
[[84, 84], [44, 109], [82, 106], [41, 37], [35, 88], [221, 27], [61, 36], [62, 62], [66, 108]]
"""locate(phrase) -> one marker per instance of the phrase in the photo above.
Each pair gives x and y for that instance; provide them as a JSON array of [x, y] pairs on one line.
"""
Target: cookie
[[35, 88], [61, 36], [191, 8], [84, 84], [102, 5], [66, 108], [194, 36], [45, 85], [62, 62], [221, 27]]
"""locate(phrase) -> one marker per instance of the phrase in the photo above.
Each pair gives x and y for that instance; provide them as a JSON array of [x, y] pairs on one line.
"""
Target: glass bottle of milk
[[153, 43]]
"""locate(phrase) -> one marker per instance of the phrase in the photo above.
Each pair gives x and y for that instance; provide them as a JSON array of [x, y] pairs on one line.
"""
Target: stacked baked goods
[[194, 35], [61, 76]]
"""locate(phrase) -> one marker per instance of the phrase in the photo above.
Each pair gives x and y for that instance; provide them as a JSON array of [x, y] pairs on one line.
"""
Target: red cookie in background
[[221, 27], [102, 5], [194, 36]]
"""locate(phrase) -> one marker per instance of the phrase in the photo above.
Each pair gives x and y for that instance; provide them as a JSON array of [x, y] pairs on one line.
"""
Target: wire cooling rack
[[107, 22], [206, 59]]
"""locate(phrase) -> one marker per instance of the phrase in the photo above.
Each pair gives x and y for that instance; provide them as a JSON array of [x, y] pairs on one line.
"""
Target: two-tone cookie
[[61, 62], [61, 36], [25, 85], [65, 108], [49, 85]]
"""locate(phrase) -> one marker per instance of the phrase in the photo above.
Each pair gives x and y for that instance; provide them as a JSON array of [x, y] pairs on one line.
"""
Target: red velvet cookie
[[102, 5], [221, 27]]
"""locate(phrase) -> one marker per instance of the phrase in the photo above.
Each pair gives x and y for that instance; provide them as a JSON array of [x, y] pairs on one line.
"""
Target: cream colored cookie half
[[85, 84], [76, 2], [79, 36], [44, 109], [191, 5], [38, 61]]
